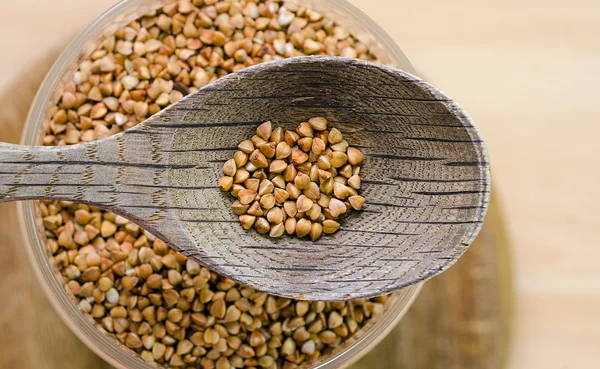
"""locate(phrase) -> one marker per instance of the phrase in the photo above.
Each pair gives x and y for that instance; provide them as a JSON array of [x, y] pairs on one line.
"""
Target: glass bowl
[[108, 348]]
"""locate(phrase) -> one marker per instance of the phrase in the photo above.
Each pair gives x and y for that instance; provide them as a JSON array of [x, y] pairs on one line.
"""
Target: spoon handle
[[58, 173], [123, 173], [106, 173]]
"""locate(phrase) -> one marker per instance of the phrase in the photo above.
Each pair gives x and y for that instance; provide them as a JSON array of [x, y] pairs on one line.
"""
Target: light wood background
[[528, 73]]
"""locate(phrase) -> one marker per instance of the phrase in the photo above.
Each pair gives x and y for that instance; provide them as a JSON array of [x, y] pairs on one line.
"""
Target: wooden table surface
[[527, 72]]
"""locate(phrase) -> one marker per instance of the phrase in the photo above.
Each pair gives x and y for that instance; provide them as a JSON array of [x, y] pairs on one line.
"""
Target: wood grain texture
[[463, 306], [425, 176]]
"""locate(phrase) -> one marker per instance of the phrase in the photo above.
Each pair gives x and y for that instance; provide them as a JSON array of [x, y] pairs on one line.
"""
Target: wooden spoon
[[425, 177]]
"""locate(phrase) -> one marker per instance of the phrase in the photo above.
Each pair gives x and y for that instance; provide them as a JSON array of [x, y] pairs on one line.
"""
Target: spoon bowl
[[425, 177]]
